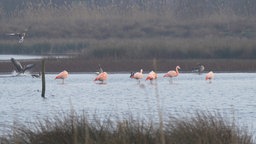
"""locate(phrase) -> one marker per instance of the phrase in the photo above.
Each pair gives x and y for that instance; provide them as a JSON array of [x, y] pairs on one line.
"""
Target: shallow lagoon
[[231, 94]]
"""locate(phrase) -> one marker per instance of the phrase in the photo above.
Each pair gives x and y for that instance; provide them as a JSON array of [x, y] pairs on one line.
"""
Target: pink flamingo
[[63, 75], [137, 75], [103, 76], [151, 76], [172, 73], [209, 76]]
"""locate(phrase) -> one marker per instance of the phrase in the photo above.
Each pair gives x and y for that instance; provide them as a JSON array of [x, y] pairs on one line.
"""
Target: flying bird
[[172, 73], [20, 69], [137, 75], [63, 75], [209, 76], [199, 69], [21, 36]]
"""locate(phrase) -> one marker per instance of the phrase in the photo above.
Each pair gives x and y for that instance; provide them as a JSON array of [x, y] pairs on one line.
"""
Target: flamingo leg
[[170, 80]]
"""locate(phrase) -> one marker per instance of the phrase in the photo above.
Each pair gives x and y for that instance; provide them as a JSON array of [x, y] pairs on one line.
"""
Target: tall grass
[[201, 128]]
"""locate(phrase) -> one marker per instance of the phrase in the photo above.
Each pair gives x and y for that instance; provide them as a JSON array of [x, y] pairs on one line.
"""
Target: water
[[232, 94], [20, 57], [28, 57]]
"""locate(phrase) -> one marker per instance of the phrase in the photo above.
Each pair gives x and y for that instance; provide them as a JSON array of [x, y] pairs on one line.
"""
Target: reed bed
[[200, 128], [131, 30]]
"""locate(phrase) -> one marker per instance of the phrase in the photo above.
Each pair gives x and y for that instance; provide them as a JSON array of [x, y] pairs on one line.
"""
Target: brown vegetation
[[90, 65], [129, 35], [166, 29], [201, 128]]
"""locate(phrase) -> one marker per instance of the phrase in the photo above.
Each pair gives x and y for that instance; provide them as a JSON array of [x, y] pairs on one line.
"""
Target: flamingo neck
[[177, 70]]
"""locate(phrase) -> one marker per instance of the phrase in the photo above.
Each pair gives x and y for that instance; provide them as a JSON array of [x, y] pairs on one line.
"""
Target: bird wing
[[13, 34], [100, 69], [17, 65], [29, 66], [172, 73]]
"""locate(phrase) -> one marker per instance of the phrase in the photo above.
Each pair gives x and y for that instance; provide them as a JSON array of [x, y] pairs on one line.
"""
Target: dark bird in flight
[[21, 36], [20, 69]]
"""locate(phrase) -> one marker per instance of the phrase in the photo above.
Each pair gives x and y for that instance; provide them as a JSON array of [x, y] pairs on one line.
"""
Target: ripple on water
[[230, 93]]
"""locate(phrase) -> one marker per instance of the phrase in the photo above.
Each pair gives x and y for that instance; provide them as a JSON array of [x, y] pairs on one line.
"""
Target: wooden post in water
[[43, 78]]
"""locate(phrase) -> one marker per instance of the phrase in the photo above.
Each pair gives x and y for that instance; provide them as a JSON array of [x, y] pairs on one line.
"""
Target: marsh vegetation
[[167, 29], [200, 128], [126, 35]]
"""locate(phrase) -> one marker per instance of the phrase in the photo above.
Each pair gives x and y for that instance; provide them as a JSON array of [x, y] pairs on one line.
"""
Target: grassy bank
[[121, 65], [201, 128]]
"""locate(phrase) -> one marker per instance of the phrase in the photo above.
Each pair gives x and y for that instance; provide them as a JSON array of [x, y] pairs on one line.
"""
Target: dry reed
[[201, 128]]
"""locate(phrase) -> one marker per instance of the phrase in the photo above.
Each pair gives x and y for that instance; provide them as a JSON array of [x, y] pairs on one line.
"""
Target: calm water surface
[[231, 94], [28, 57], [20, 57]]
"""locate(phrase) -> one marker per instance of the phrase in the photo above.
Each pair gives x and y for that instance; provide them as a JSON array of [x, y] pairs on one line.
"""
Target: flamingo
[[151, 76], [209, 76], [172, 73], [137, 75], [63, 75], [200, 68], [102, 77]]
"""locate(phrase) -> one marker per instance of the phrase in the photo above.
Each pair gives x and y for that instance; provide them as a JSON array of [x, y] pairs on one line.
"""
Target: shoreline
[[80, 65]]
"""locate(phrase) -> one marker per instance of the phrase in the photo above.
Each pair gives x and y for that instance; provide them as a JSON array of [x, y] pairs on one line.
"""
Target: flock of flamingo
[[103, 76]]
